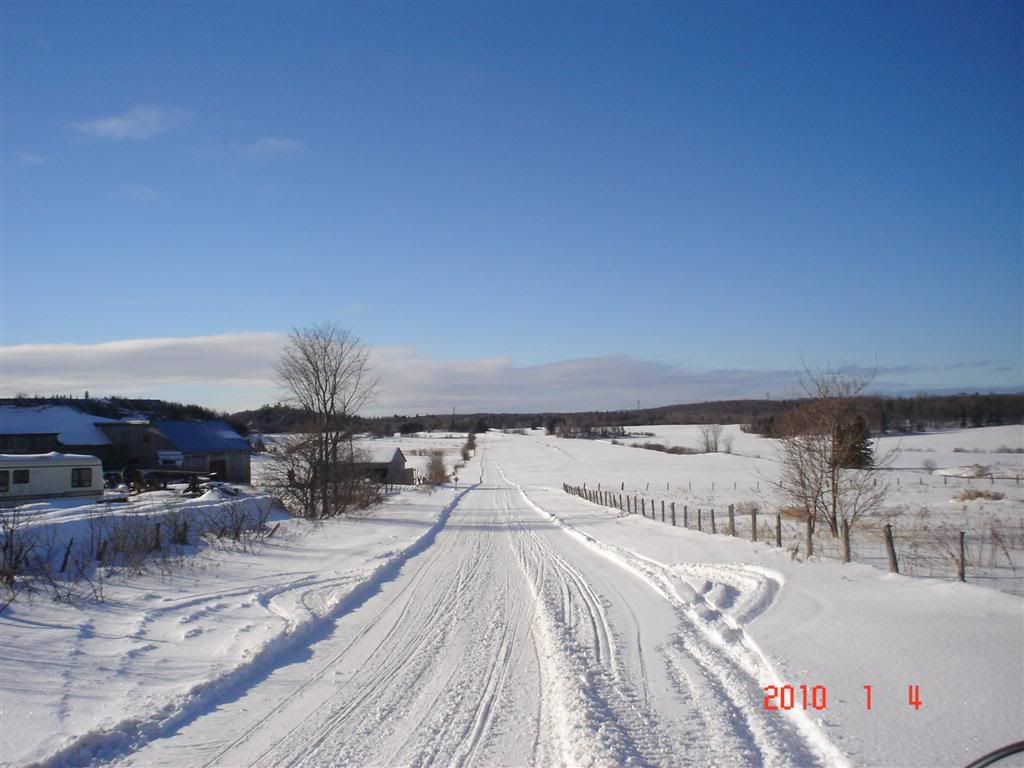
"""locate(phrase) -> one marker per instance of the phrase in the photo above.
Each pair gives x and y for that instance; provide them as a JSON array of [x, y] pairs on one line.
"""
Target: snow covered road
[[512, 639]]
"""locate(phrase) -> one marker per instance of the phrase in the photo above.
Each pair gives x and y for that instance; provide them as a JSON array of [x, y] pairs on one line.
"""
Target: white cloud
[[235, 371], [220, 366], [138, 123], [270, 147]]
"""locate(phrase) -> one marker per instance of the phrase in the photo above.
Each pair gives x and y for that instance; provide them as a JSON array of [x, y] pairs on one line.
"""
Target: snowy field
[[925, 475], [509, 623]]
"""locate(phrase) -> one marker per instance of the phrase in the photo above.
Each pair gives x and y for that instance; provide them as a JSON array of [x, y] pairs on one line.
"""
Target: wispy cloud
[[235, 371], [140, 192], [137, 124], [30, 158], [271, 147]]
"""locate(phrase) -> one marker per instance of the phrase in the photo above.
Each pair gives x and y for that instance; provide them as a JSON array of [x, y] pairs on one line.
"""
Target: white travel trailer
[[48, 475]]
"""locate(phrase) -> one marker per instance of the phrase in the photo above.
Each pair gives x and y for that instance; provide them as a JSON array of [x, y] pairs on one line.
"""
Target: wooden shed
[[385, 464]]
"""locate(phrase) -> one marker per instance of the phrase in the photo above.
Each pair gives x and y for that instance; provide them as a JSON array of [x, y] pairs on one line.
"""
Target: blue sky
[[699, 187]]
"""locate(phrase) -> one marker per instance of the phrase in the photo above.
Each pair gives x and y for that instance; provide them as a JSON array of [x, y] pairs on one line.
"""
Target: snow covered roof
[[72, 426], [377, 454], [202, 436], [52, 459]]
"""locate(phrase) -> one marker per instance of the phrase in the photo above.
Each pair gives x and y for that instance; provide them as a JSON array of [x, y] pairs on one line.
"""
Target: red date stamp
[[815, 697]]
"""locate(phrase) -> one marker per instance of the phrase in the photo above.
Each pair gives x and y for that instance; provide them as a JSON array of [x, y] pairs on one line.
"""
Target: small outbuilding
[[24, 477], [384, 464]]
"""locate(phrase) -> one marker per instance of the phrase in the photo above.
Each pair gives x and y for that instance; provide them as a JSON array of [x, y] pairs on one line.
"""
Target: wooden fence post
[[714, 528], [663, 510], [753, 524], [686, 517], [891, 549], [961, 566], [778, 530], [846, 541], [732, 520], [700, 520], [643, 507], [673, 514], [810, 536], [103, 551]]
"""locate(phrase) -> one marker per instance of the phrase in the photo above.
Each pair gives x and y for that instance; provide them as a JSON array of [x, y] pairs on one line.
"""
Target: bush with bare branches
[[710, 435], [437, 473], [825, 455]]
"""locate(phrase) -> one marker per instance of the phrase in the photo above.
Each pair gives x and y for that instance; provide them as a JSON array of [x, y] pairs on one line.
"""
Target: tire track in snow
[[600, 719], [130, 735], [731, 666], [364, 631]]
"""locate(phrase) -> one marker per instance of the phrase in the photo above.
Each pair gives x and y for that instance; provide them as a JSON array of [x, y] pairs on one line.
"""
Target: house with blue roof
[[209, 446], [201, 446]]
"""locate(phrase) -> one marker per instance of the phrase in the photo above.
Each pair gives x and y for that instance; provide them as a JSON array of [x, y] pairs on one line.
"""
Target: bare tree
[[826, 457], [324, 370], [710, 434]]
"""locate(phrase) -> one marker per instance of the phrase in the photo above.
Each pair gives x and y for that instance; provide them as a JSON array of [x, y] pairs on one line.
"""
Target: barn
[[209, 446], [385, 464]]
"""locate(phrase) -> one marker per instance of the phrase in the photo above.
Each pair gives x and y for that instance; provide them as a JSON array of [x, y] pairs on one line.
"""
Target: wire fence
[[989, 552]]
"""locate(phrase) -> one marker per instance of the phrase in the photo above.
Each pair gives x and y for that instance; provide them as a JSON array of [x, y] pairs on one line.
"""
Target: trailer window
[[5, 480], [20, 476], [81, 477]]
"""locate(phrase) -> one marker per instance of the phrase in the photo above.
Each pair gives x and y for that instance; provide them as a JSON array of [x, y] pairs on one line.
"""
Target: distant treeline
[[882, 414], [887, 415]]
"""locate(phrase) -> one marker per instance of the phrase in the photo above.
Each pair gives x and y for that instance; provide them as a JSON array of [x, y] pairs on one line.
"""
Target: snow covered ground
[[510, 623], [922, 506]]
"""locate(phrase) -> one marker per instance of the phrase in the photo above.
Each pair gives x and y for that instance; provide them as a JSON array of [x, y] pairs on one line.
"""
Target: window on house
[[5, 480], [81, 477], [20, 476]]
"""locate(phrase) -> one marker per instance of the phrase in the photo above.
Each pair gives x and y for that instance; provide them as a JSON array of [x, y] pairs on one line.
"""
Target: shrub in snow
[[436, 471], [970, 494]]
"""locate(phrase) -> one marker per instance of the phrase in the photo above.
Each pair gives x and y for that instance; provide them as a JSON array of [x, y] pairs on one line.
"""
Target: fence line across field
[[991, 557]]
